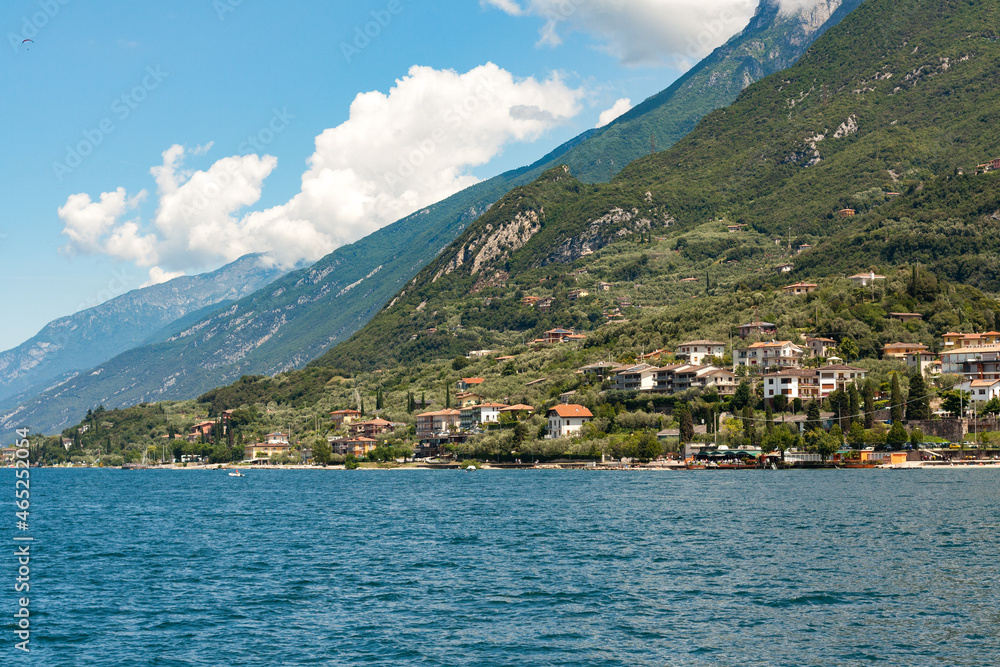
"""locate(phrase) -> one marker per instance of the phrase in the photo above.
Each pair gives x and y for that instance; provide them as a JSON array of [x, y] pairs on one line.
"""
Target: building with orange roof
[[476, 415], [370, 428], [468, 384], [567, 420], [900, 350], [780, 353], [800, 288], [438, 423], [342, 417]]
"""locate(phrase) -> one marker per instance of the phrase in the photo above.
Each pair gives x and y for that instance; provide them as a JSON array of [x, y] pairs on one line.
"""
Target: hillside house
[[556, 335], [468, 384], [544, 304], [846, 212], [992, 165], [696, 351], [466, 398], [518, 411], [604, 287], [981, 390], [344, 417], [201, 429], [811, 383], [906, 317], [802, 247], [477, 415], [780, 353], [370, 428], [865, 279], [575, 294], [356, 445], [262, 452], [567, 420], [634, 378], [924, 362], [757, 328], [442, 422], [800, 288], [278, 438], [655, 355], [784, 268], [820, 347], [531, 300], [956, 340], [681, 377], [973, 363], [735, 228], [900, 350], [599, 369]]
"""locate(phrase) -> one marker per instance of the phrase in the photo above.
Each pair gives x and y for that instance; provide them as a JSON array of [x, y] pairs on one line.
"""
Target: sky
[[145, 141]]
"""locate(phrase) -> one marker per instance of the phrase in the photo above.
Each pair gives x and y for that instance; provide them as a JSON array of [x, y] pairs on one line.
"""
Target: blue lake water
[[509, 568]]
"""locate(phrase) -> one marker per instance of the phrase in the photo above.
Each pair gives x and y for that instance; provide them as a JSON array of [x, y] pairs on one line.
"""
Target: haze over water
[[512, 567]]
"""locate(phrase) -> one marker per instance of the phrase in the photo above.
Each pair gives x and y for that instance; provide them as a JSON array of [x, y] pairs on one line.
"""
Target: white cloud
[[647, 32], [158, 275], [398, 151], [617, 109]]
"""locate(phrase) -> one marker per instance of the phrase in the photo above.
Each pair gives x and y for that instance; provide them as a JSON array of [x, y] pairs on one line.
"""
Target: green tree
[[379, 400], [780, 403], [768, 419], [954, 401], [868, 400], [854, 403], [812, 416], [686, 425], [322, 452], [447, 396], [648, 448], [742, 397], [822, 443], [919, 404], [351, 462], [848, 349], [896, 403], [458, 363], [796, 405], [856, 436], [897, 436]]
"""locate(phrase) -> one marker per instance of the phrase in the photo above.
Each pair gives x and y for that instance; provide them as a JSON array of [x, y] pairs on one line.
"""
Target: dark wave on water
[[510, 568]]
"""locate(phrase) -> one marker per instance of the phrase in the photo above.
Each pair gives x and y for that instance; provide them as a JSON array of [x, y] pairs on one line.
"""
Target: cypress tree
[[769, 419], [919, 404], [854, 404], [812, 416], [447, 396], [896, 400], [687, 425], [868, 394]]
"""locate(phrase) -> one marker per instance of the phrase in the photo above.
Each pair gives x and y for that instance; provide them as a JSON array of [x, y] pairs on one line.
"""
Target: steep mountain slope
[[772, 41], [96, 334], [301, 315], [897, 94]]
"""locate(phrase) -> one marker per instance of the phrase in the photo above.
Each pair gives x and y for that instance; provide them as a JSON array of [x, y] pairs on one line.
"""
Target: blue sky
[[105, 89]]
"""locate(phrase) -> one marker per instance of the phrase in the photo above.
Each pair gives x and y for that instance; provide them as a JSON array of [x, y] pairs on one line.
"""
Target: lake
[[536, 567]]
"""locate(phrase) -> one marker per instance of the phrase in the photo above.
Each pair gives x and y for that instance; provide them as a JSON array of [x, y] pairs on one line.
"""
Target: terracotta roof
[[773, 343], [984, 383], [571, 410], [345, 412], [473, 380], [892, 346], [441, 413], [702, 342], [518, 408], [487, 405]]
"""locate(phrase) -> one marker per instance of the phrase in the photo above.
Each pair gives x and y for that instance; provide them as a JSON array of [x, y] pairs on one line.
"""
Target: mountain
[[71, 344], [879, 116], [773, 40], [304, 313]]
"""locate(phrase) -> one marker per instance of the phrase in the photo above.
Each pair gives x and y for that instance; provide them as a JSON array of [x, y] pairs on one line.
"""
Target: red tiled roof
[[571, 410]]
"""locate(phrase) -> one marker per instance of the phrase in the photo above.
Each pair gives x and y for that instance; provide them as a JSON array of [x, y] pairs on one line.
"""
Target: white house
[[696, 350], [634, 378], [981, 390], [864, 279], [477, 415], [812, 383], [567, 420], [781, 353]]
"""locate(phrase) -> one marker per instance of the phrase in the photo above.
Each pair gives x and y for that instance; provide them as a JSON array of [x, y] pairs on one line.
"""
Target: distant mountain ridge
[[92, 336], [304, 313]]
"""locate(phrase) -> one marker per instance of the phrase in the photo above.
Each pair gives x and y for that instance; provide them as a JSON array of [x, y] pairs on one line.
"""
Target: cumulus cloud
[[398, 152], [642, 32], [617, 109]]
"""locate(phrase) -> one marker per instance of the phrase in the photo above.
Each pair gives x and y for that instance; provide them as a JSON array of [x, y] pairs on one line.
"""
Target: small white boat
[[471, 468], [236, 474]]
